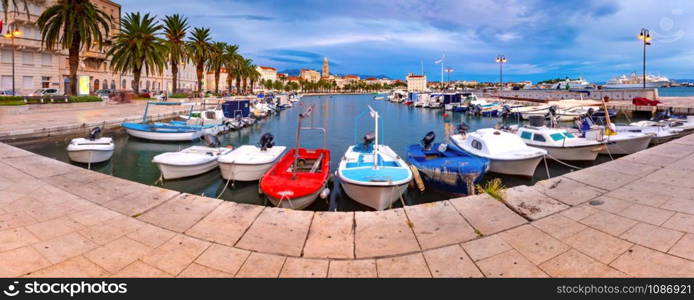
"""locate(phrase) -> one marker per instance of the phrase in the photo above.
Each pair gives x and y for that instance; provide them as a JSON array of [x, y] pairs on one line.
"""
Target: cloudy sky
[[542, 39]]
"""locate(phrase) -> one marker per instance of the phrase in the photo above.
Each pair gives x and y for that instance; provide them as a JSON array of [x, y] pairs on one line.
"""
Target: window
[[46, 59], [557, 136], [569, 135], [538, 138], [6, 82], [28, 58], [27, 82], [123, 84], [96, 84], [7, 56], [526, 135], [113, 84], [45, 82], [476, 144]]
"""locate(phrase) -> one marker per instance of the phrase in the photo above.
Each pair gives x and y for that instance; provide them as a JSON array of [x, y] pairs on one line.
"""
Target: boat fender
[[417, 178], [325, 193]]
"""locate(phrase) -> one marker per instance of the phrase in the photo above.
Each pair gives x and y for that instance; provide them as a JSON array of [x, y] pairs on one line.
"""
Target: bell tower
[[326, 68]]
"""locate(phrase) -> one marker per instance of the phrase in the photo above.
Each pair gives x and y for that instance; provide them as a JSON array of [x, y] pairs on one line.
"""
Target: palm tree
[[175, 29], [252, 73], [72, 25], [231, 63], [138, 47], [199, 50], [217, 62]]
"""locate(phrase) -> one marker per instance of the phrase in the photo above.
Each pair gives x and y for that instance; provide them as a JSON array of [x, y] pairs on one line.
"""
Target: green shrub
[[11, 98], [82, 99], [179, 95], [11, 102]]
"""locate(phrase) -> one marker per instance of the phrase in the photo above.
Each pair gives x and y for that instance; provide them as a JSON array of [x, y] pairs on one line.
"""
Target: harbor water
[[403, 126]]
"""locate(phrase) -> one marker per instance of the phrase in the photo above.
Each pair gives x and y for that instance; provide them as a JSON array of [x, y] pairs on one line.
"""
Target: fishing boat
[[191, 161], [92, 149], [373, 174], [379, 98], [250, 162], [445, 168], [301, 175], [238, 110], [507, 152], [558, 142], [171, 131], [658, 134], [617, 143]]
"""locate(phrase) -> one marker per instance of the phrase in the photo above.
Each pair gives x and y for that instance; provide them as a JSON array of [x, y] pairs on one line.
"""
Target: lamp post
[[501, 60], [12, 34], [448, 71], [645, 37]]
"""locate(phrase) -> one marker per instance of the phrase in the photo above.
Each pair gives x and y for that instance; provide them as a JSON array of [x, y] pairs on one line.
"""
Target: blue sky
[[542, 39]]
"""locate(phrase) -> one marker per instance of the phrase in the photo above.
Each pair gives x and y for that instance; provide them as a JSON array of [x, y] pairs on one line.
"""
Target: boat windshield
[[557, 136]]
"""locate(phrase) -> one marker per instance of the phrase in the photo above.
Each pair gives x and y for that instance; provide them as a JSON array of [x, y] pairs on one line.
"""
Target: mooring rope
[[228, 180], [563, 163]]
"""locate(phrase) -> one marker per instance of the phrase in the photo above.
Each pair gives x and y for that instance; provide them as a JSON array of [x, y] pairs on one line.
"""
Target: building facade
[[37, 67], [309, 75], [416, 83], [267, 73]]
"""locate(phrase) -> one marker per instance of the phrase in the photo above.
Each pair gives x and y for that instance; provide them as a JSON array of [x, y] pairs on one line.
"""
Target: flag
[[440, 60]]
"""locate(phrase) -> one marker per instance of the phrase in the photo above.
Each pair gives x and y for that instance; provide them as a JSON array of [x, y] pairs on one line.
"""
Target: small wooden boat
[[250, 162], [190, 161], [300, 176], [92, 149]]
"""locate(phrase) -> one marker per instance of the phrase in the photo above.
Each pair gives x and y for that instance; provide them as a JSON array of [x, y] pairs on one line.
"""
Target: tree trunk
[[230, 81], [217, 74], [74, 62], [238, 84], [174, 74], [252, 83], [199, 69], [245, 82], [136, 80]]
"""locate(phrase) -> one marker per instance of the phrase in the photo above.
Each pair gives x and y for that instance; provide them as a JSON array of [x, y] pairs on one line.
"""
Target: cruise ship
[[634, 81], [572, 84]]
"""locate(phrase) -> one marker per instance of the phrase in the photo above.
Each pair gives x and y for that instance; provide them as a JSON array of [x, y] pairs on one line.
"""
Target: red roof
[[268, 68], [415, 76], [293, 78], [352, 76], [371, 78]]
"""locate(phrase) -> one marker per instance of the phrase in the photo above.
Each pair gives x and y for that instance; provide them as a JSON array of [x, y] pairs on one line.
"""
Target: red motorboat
[[300, 176]]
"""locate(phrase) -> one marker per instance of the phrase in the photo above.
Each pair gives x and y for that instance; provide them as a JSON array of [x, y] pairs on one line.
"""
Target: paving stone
[[64, 247], [486, 214], [177, 253], [199, 271], [577, 213], [16, 238], [438, 223], [509, 264], [450, 262], [226, 223], [50, 229], [532, 203], [405, 266], [598, 245], [679, 205], [673, 177], [684, 247], [604, 179], [94, 216], [651, 158], [39, 166], [10, 220], [223, 258], [610, 223], [609, 204], [359, 268], [643, 262], [486, 247], [653, 237], [681, 222], [639, 193], [568, 191], [574, 264], [673, 150], [151, 235], [559, 226], [278, 231], [626, 166], [648, 214], [181, 212], [534, 244], [382, 233], [139, 269], [304, 268], [111, 229], [20, 261], [118, 254], [142, 200], [331, 235], [76, 267], [262, 265]]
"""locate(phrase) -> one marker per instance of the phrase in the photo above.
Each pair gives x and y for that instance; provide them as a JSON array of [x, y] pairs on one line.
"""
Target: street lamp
[[448, 71], [645, 37], [501, 60], [12, 34]]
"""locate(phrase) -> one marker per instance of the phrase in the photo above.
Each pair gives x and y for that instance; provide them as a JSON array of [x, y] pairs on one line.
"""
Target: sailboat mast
[[376, 141]]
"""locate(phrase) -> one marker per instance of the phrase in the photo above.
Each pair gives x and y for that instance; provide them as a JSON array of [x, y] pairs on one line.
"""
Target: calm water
[[679, 91], [402, 126]]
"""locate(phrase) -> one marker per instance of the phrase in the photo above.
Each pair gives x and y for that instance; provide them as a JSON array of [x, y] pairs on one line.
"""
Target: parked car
[[103, 92], [7, 93], [45, 92]]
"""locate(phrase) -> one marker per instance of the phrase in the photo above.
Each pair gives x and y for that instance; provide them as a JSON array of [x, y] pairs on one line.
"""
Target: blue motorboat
[[444, 168]]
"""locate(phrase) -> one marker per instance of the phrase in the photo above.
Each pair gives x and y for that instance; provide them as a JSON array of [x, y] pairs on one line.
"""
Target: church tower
[[326, 68]]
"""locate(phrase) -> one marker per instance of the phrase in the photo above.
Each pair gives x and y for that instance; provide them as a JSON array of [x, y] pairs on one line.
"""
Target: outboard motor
[[428, 140], [95, 133], [664, 115], [266, 141], [211, 141], [369, 138], [505, 111], [463, 128], [478, 110]]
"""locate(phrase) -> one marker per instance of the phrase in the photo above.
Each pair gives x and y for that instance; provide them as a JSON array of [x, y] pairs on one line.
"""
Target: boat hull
[[295, 203], [521, 167], [448, 182], [629, 146], [376, 197], [244, 172], [177, 171], [582, 153], [89, 156], [165, 136]]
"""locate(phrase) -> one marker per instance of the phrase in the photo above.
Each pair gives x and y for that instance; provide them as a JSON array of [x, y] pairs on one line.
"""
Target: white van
[[45, 92]]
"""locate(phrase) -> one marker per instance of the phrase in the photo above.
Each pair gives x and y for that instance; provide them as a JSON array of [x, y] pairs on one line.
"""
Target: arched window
[[122, 84], [96, 84], [147, 85], [132, 84], [113, 84]]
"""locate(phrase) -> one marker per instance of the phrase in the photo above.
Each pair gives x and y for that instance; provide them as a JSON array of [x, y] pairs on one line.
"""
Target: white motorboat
[[507, 152], [373, 174], [191, 161], [624, 143], [250, 162], [686, 125], [93, 149], [560, 143], [660, 134]]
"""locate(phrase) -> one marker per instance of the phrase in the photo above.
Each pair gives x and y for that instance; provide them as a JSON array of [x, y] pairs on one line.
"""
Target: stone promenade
[[631, 217]]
